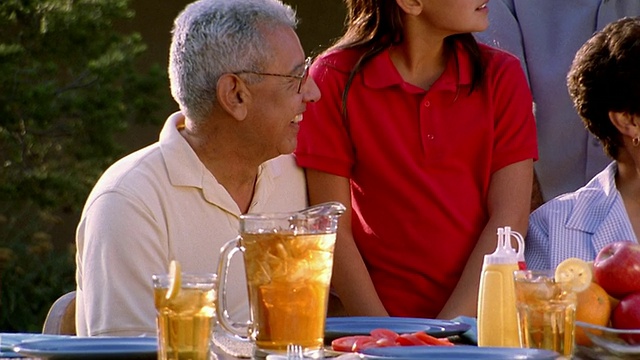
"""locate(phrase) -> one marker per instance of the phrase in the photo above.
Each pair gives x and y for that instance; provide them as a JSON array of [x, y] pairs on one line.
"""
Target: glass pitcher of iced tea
[[288, 259]]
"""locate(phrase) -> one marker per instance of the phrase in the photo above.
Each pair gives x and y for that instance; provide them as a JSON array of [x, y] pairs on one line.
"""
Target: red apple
[[626, 315], [617, 268]]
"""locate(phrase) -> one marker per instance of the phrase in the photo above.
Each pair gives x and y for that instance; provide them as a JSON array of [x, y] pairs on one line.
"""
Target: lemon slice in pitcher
[[576, 271], [175, 280]]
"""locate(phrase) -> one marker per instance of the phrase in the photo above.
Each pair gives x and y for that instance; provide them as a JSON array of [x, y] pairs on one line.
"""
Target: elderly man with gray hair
[[239, 75]]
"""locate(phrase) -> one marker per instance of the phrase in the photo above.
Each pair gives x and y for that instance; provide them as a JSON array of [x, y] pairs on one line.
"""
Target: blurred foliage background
[[69, 88]]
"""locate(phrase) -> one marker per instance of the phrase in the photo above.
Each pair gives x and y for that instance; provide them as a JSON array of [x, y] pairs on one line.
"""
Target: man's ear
[[233, 96], [625, 123], [411, 7]]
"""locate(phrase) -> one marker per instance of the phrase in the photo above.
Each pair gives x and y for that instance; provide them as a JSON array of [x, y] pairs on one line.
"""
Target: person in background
[[238, 72], [429, 139], [604, 84], [545, 35]]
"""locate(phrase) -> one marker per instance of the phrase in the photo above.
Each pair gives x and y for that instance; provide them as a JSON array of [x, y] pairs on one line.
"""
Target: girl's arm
[[508, 202], [350, 278]]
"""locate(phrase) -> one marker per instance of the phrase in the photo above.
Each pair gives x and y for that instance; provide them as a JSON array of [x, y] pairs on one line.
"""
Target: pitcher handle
[[226, 253]]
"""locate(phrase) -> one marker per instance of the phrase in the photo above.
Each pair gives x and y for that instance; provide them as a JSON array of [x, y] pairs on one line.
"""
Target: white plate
[[91, 348]]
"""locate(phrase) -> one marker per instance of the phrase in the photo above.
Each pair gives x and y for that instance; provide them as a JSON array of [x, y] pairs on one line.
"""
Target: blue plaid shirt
[[578, 224]]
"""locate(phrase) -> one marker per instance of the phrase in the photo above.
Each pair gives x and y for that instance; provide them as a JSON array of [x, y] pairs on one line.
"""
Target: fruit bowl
[[608, 343]]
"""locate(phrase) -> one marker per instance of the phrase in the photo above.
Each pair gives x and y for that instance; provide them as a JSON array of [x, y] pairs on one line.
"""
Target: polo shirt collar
[[185, 169], [183, 166], [380, 72]]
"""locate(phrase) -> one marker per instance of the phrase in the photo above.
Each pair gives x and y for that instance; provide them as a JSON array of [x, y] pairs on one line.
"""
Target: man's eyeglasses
[[301, 78]]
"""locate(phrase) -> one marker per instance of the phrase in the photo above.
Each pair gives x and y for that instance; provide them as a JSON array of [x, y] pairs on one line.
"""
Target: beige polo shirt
[[154, 205]]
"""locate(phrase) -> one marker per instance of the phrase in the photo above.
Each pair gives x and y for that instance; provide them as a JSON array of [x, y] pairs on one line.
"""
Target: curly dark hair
[[605, 76]]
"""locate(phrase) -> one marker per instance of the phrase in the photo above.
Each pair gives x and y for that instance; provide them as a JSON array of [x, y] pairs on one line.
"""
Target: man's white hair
[[215, 37]]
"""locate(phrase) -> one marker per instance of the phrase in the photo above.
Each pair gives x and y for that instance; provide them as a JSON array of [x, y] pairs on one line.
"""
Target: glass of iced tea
[[546, 311], [186, 316], [288, 259]]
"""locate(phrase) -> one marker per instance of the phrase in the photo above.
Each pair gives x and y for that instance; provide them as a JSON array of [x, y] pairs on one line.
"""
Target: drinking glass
[[186, 320], [546, 311]]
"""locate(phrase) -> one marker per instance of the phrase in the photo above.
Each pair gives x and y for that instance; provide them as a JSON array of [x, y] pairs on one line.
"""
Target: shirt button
[[430, 137], [427, 103]]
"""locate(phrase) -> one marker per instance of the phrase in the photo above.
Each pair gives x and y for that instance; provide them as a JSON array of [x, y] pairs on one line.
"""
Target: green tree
[[69, 85]]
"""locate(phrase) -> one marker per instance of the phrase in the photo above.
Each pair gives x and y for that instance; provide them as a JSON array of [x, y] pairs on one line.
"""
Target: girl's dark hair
[[375, 25]]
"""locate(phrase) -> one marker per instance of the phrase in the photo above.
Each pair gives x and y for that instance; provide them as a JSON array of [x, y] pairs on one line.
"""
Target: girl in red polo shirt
[[429, 139]]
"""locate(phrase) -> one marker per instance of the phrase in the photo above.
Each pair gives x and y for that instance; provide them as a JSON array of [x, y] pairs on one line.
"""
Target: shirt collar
[[594, 201], [380, 72], [183, 165], [185, 168]]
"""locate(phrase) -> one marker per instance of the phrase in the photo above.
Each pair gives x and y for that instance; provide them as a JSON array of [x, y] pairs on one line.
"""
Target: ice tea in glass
[[546, 311], [185, 321], [288, 279]]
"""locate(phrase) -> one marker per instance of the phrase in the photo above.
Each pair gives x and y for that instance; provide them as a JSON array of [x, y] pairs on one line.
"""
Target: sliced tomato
[[385, 338], [354, 343], [363, 343], [346, 343], [383, 342], [409, 340], [430, 340], [384, 334]]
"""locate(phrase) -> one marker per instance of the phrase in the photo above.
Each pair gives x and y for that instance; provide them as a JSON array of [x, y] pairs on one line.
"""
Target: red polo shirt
[[419, 162]]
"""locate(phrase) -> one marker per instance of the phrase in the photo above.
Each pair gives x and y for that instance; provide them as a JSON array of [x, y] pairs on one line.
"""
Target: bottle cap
[[505, 253]]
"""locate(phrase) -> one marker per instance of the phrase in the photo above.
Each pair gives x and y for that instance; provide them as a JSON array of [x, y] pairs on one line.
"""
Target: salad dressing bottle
[[497, 318]]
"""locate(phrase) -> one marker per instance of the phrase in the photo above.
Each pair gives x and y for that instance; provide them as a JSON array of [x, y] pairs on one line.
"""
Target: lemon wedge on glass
[[576, 271], [175, 280]]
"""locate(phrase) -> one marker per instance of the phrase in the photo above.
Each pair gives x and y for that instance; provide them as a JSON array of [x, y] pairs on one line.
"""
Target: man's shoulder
[[289, 187], [130, 172], [285, 165]]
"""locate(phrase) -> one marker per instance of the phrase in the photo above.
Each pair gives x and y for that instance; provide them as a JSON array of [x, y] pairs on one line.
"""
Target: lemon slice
[[175, 280], [576, 271]]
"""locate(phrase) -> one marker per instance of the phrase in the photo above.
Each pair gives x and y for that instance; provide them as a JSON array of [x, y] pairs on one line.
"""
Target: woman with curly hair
[[604, 84]]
